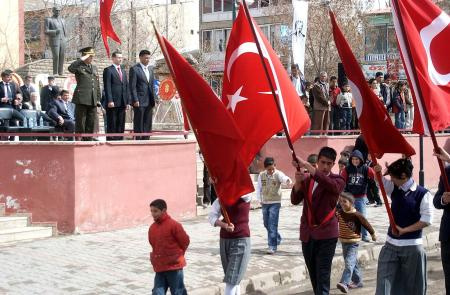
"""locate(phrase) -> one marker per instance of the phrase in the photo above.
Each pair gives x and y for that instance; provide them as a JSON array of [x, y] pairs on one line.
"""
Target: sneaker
[[270, 251], [342, 287], [355, 286]]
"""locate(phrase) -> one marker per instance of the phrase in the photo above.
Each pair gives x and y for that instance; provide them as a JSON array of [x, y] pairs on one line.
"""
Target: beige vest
[[271, 188]]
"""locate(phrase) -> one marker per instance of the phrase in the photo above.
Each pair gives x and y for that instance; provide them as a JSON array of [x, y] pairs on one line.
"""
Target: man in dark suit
[[115, 84], [63, 112], [49, 93], [55, 29], [87, 94], [27, 89], [142, 94], [442, 201], [8, 92]]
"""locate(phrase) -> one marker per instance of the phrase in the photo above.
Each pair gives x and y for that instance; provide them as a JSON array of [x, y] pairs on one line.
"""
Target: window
[[217, 5], [228, 5], [265, 29], [227, 36], [33, 29], [392, 41], [206, 41], [376, 40], [207, 6], [219, 41]]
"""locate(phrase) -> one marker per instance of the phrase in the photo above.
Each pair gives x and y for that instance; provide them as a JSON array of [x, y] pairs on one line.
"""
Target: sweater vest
[[357, 180], [271, 188], [406, 210], [239, 216]]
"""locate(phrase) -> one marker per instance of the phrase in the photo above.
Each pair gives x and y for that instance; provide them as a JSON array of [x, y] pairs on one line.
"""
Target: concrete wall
[[277, 148], [11, 34], [101, 186]]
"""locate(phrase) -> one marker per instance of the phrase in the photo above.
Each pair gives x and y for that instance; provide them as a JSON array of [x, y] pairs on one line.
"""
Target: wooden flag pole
[[385, 198], [420, 98], [169, 65]]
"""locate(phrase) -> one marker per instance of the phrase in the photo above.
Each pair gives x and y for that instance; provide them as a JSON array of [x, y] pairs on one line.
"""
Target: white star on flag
[[235, 99]]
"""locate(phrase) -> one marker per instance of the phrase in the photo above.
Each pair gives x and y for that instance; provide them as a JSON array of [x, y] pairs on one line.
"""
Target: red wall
[[98, 186], [277, 148]]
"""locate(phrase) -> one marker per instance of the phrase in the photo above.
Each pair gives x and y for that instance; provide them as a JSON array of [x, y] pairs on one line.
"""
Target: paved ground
[[117, 262], [435, 281]]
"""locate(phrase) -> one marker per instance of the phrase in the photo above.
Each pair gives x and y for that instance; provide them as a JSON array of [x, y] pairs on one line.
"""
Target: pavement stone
[[117, 262]]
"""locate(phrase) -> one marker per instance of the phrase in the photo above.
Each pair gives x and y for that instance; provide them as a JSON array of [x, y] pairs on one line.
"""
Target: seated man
[[33, 105], [8, 92], [62, 111]]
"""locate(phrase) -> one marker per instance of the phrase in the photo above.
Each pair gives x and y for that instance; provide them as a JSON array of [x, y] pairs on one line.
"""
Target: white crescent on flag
[[427, 35]]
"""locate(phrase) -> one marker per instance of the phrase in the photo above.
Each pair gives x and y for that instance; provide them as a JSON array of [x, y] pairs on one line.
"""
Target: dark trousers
[[169, 279], [115, 122], [320, 121], [335, 123], [373, 193], [445, 256], [85, 117], [142, 121], [209, 193], [318, 256]]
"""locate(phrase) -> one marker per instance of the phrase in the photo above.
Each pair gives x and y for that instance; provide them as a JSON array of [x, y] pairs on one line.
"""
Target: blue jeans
[[351, 271], [360, 206], [400, 120], [346, 119], [169, 279], [271, 214]]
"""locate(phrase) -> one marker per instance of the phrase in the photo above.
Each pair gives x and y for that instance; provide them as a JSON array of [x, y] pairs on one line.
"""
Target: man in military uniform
[[87, 94]]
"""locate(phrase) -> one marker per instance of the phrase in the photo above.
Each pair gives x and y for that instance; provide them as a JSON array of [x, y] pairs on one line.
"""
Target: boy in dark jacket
[[356, 176], [169, 242]]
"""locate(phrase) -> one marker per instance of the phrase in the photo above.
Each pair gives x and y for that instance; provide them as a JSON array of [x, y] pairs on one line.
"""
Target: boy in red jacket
[[169, 242]]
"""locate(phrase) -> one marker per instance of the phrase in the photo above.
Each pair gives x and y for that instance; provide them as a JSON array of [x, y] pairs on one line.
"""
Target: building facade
[[11, 34], [273, 17]]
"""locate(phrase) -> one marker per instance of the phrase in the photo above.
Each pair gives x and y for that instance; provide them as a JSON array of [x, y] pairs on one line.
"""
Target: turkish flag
[[217, 134], [106, 27], [381, 136], [247, 94], [425, 48]]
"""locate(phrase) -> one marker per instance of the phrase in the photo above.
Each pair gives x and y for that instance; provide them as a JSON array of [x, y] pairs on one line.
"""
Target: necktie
[[147, 74], [8, 91], [68, 110], [120, 73]]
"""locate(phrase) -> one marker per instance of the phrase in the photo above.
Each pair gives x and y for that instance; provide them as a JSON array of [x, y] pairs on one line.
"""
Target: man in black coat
[[8, 93], [63, 112], [115, 84], [442, 201], [49, 93], [27, 89], [142, 94]]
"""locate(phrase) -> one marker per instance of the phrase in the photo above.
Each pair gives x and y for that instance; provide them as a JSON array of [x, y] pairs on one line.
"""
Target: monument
[[55, 29]]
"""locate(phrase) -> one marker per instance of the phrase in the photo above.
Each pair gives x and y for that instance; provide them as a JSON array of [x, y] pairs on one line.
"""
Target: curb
[[267, 281]]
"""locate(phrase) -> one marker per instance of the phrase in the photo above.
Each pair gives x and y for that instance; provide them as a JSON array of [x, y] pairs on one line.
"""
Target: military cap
[[87, 51]]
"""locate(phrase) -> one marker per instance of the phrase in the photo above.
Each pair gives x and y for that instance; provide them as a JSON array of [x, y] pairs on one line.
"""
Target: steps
[[17, 228]]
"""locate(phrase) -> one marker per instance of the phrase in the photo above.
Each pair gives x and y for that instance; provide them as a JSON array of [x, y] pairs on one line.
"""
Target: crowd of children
[[334, 209]]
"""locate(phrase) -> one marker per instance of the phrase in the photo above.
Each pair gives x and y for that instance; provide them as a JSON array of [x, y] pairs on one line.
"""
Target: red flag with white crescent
[[425, 47], [106, 27], [381, 136], [247, 94]]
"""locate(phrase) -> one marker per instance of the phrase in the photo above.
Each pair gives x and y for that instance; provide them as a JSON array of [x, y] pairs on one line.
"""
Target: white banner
[[299, 32]]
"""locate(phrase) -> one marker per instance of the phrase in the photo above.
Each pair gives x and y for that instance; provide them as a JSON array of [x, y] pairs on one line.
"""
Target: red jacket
[[169, 242], [324, 201]]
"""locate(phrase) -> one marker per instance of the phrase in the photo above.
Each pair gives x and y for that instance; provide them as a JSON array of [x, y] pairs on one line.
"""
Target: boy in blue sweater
[[402, 261]]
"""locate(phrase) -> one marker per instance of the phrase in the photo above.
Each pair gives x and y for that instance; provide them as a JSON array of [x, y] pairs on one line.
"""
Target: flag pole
[[385, 199], [419, 96], [169, 65], [272, 88]]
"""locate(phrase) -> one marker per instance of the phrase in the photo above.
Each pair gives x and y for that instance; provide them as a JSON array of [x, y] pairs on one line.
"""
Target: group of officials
[[120, 93]]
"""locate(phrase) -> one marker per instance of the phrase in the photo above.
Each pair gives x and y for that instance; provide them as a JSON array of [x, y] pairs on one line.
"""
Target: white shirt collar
[[409, 185], [143, 66]]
